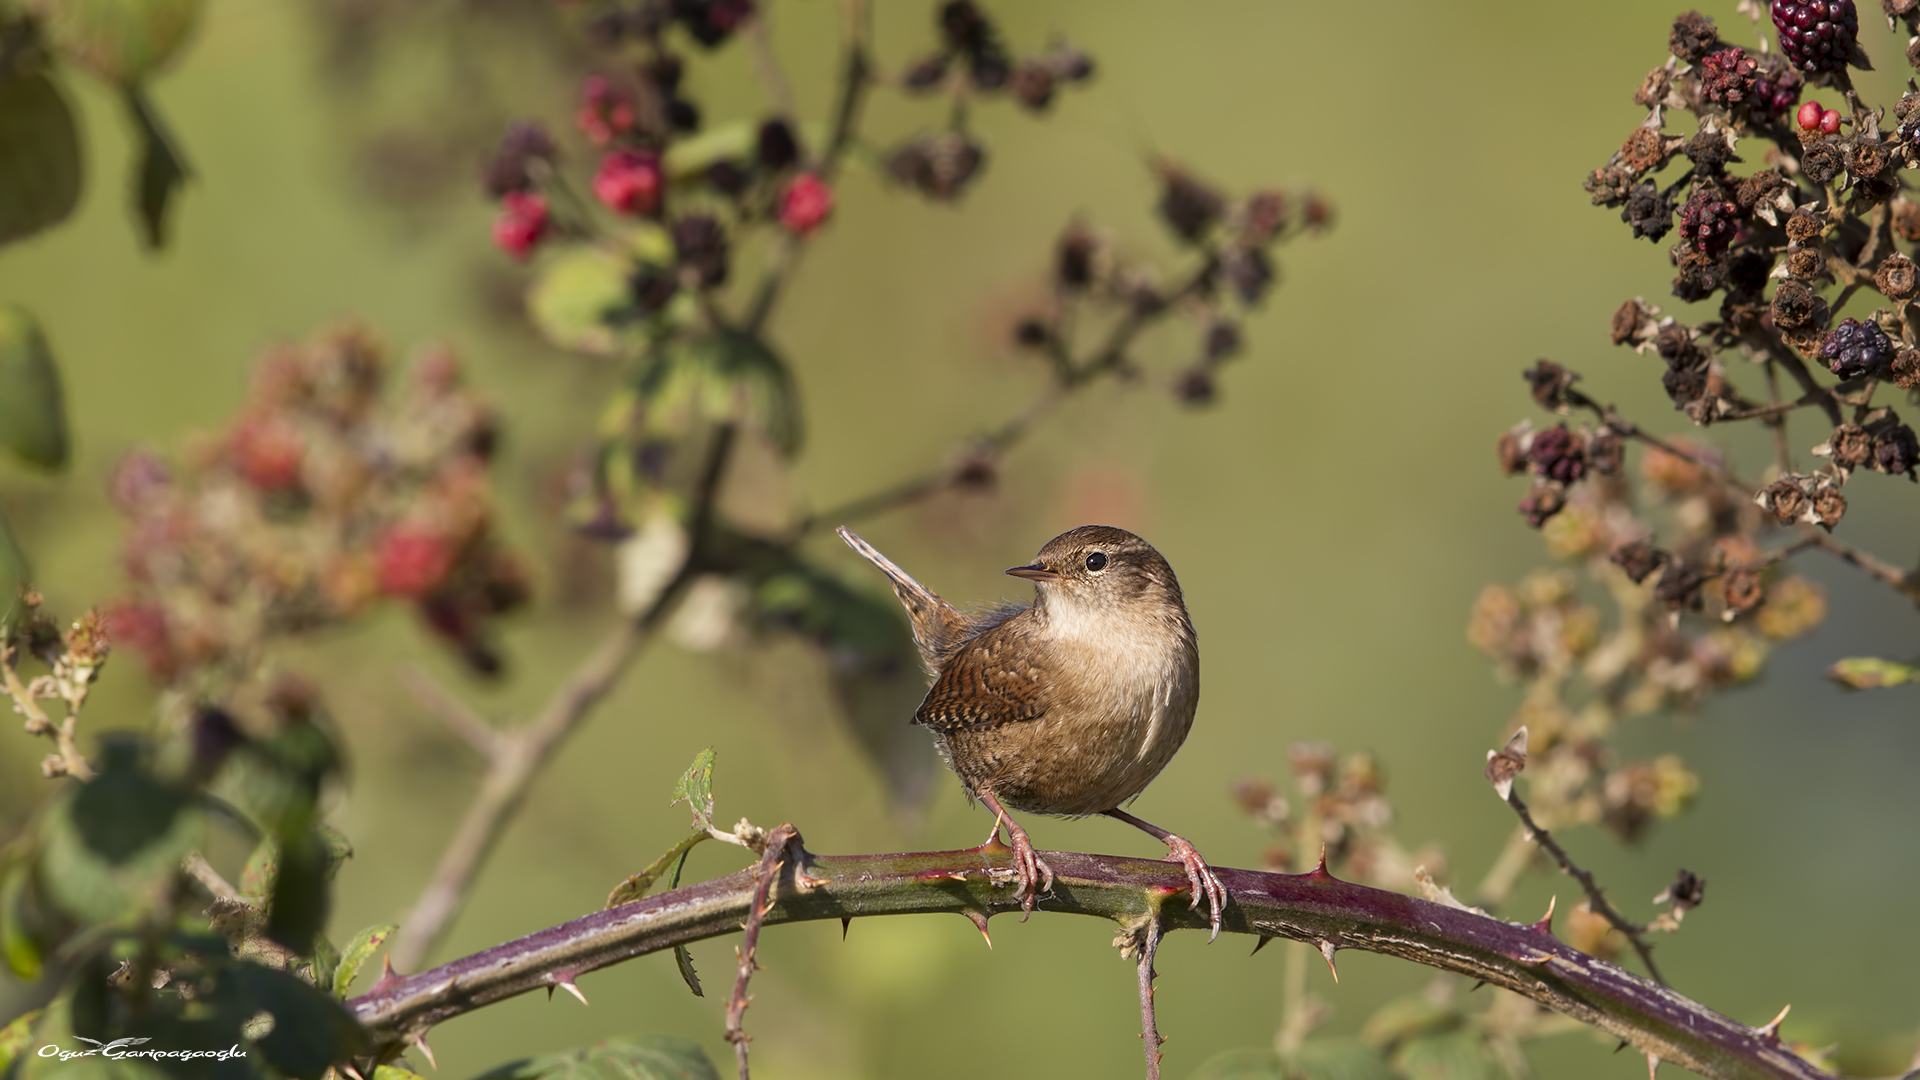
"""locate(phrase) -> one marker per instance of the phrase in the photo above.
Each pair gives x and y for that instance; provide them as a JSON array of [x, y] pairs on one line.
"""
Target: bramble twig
[[1632, 931], [1313, 908], [765, 875]]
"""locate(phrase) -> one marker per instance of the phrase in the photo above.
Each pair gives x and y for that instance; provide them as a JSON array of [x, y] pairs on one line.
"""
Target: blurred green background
[[1332, 517]]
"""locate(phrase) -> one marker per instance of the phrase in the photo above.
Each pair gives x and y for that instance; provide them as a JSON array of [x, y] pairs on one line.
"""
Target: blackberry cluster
[[1817, 35], [1728, 75], [1557, 455], [1776, 89], [1856, 348], [1709, 222]]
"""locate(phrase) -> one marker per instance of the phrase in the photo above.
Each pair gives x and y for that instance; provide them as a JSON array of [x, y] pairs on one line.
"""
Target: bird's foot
[[1034, 872], [1206, 885]]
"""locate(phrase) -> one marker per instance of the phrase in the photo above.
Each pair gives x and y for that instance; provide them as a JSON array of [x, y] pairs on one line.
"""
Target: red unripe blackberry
[[412, 560], [522, 222], [1809, 116], [805, 203], [1816, 35], [1829, 122], [629, 182]]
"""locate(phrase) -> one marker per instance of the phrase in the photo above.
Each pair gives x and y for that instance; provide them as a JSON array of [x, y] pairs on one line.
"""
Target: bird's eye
[[1097, 561]]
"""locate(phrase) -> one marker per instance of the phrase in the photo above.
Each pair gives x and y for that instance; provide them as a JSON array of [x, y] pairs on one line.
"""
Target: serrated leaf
[[684, 960], [310, 1030], [654, 1058], [326, 962], [357, 953], [121, 41], [1870, 673], [580, 289], [33, 409], [162, 171], [695, 788], [40, 170], [637, 885], [16, 1037], [98, 887], [722, 377]]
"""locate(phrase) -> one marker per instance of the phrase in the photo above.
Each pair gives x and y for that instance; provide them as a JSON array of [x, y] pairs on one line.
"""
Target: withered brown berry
[[1557, 455], [1541, 503], [1693, 37], [1549, 382], [1740, 588], [1905, 369], [1866, 159], [1852, 447], [1627, 321], [1795, 305], [1638, 559], [1676, 346], [1606, 452], [1680, 585], [1654, 88], [1786, 500], [1644, 150], [1906, 220], [1822, 161], [1897, 278], [1804, 226], [1829, 506], [1806, 263], [1609, 185]]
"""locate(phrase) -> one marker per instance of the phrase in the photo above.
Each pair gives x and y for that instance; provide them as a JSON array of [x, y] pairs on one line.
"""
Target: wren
[[1068, 707]]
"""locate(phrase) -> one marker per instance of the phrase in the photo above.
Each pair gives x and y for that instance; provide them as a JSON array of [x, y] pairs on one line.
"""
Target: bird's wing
[[937, 625], [987, 682]]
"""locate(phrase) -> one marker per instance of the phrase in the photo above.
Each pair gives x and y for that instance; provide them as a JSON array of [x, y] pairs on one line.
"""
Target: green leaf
[[723, 377], [326, 962], [684, 961], [40, 169], [121, 41], [298, 910], [163, 171], [638, 884], [394, 1072], [579, 290], [1461, 1056], [310, 1029], [693, 156], [33, 411], [695, 788], [81, 880], [17, 944], [653, 1058], [124, 809], [1869, 673], [357, 953], [16, 1037]]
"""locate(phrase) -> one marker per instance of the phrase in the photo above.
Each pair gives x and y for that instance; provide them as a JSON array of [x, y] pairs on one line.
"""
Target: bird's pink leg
[[1027, 863], [1203, 881]]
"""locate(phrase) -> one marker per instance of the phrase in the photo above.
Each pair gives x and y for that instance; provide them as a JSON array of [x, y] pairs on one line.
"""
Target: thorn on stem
[[1545, 925], [419, 1039], [1326, 950], [1771, 1031], [570, 987], [979, 921], [1261, 944], [846, 924], [1653, 1065]]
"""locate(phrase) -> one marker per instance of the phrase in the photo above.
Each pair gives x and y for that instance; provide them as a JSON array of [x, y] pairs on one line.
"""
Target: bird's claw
[[1201, 879], [1034, 872]]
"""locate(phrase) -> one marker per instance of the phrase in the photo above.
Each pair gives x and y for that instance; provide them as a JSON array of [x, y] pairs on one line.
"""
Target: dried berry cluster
[[1340, 808], [1234, 241], [320, 499], [1692, 552]]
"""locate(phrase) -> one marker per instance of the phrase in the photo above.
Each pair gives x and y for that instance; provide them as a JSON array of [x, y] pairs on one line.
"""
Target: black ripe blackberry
[[1856, 348], [1817, 35], [1709, 222]]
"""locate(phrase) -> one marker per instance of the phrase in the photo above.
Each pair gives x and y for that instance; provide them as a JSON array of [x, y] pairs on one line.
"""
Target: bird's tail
[[937, 625]]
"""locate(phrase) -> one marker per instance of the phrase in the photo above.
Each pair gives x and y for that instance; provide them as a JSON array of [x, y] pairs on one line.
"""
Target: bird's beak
[[1034, 572]]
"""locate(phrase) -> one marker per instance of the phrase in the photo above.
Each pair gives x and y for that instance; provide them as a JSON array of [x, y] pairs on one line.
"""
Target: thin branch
[[459, 717], [765, 877], [67, 759], [1148, 944], [522, 754], [1634, 932], [1907, 585], [1313, 908]]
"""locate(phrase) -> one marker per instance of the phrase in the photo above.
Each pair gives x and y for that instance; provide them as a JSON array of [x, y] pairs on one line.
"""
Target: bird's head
[[1100, 572]]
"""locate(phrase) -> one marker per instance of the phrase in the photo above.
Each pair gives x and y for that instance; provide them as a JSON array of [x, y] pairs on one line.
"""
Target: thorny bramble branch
[[1313, 907]]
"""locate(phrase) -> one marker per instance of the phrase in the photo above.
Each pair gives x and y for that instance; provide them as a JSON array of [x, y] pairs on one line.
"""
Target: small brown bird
[[1069, 707]]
